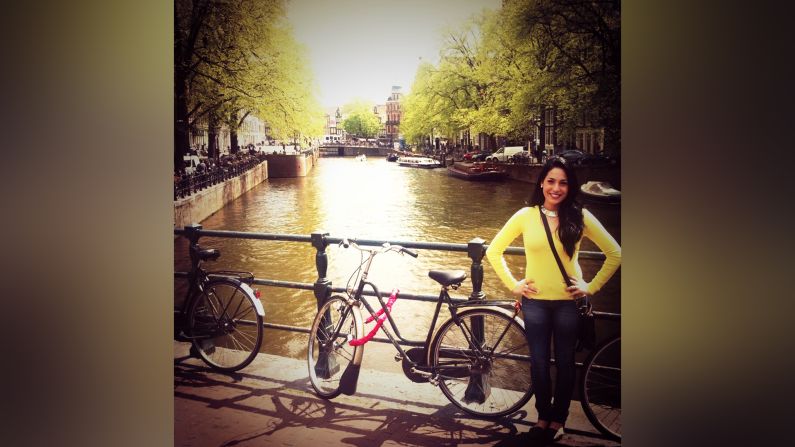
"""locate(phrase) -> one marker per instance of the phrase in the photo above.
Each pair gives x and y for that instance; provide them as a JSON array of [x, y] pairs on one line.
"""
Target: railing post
[[323, 284], [479, 387], [326, 364], [476, 249], [192, 233]]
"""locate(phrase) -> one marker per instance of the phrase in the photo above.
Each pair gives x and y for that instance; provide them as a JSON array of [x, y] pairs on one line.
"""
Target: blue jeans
[[545, 321]]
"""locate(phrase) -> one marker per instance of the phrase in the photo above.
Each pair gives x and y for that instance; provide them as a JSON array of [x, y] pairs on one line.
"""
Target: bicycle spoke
[[506, 352], [237, 316], [213, 307], [244, 335]]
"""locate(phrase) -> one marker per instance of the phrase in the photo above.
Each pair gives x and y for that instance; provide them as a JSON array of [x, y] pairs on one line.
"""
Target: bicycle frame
[[444, 296], [459, 356]]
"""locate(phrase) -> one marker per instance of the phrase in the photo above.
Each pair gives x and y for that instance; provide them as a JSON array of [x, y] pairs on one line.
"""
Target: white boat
[[419, 162], [600, 192], [361, 157]]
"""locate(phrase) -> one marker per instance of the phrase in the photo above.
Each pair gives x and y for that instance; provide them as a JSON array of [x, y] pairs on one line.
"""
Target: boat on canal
[[419, 162], [600, 192], [392, 157], [477, 171]]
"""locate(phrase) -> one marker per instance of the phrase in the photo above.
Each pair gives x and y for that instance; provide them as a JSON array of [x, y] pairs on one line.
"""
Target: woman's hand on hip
[[578, 288], [525, 287]]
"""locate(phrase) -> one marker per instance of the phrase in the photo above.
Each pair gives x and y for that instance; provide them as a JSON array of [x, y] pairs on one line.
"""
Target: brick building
[[393, 114]]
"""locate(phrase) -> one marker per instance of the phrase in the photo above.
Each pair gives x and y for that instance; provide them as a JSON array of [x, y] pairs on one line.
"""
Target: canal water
[[374, 199]]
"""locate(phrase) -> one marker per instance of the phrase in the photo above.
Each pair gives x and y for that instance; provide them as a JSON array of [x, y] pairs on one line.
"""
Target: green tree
[[361, 121], [420, 117], [455, 95], [212, 44], [500, 72], [234, 58], [575, 50]]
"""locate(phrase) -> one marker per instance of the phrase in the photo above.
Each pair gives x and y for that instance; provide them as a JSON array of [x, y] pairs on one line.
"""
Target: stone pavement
[[271, 403]]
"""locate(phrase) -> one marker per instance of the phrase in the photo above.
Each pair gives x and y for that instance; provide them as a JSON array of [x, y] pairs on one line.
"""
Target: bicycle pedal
[[420, 373]]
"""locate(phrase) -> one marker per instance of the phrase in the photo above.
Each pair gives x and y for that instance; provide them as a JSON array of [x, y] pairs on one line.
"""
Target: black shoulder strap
[[552, 246]]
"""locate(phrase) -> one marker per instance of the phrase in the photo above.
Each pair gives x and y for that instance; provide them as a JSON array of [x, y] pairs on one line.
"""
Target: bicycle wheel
[[224, 325], [329, 356], [492, 382], [600, 388]]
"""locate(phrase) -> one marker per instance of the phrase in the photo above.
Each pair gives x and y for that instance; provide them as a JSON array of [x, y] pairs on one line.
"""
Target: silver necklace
[[548, 213]]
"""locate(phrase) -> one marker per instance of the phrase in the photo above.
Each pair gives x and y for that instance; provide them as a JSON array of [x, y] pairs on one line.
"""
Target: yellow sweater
[[541, 266]]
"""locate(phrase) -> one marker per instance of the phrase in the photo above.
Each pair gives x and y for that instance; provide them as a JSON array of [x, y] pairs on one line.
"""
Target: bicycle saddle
[[448, 277]]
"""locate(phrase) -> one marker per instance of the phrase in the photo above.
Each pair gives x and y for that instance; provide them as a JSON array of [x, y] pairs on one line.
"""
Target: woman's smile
[[555, 187]]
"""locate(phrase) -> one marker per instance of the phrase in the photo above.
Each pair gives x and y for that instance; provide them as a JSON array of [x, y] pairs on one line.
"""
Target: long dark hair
[[570, 211]]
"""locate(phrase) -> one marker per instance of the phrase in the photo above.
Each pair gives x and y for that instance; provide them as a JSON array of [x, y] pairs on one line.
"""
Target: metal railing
[[193, 183], [322, 288]]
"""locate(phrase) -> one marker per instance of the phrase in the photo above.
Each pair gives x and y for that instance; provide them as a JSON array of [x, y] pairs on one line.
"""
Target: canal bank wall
[[201, 205], [291, 165]]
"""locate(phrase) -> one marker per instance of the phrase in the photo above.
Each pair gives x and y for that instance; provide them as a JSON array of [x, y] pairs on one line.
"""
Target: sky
[[361, 48]]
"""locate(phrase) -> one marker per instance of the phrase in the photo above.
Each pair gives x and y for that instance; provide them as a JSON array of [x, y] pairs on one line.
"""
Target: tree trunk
[[233, 140], [181, 135], [212, 135], [233, 126]]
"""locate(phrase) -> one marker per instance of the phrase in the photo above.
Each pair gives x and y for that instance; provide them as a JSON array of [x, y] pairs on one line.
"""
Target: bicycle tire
[[504, 384], [327, 362], [224, 326], [600, 388]]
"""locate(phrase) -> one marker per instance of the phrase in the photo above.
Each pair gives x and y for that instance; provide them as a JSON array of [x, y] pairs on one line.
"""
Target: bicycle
[[221, 314], [600, 387], [479, 357]]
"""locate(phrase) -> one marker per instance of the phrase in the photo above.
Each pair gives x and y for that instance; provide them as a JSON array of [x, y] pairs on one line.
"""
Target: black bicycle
[[479, 357], [221, 315], [600, 387]]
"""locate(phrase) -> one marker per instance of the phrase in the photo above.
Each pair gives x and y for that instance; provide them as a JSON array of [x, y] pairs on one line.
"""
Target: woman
[[548, 303]]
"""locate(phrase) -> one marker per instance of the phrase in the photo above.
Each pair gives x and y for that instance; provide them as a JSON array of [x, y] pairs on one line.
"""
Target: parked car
[[476, 156], [580, 158], [572, 156], [481, 156], [504, 153]]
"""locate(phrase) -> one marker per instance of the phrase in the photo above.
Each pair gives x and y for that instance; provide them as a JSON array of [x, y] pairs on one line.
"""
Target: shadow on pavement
[[248, 409]]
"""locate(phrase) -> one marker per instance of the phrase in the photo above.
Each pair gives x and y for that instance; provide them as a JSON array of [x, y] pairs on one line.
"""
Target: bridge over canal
[[347, 150]]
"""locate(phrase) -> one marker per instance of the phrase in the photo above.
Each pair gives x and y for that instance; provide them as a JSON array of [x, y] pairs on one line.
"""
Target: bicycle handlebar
[[345, 242], [411, 253]]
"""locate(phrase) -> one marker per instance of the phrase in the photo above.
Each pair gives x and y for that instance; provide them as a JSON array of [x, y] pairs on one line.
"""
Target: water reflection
[[370, 200]]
